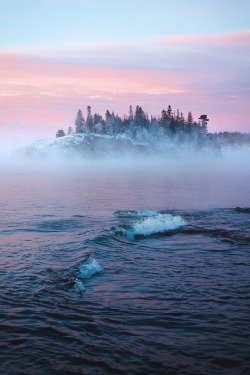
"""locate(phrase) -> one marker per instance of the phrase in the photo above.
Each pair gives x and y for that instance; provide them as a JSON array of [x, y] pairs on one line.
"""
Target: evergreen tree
[[138, 126], [97, 118], [118, 125], [140, 117], [178, 117], [169, 112], [172, 125], [79, 122], [89, 121], [107, 115], [131, 114], [190, 118], [164, 116], [110, 122], [204, 120], [60, 133], [164, 121]]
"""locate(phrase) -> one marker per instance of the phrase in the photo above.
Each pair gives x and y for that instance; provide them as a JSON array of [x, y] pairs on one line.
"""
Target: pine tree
[[178, 117], [89, 121], [164, 120], [110, 122], [131, 114], [169, 112], [60, 133], [140, 117], [79, 122], [164, 116], [107, 115], [204, 120], [190, 118], [97, 118]]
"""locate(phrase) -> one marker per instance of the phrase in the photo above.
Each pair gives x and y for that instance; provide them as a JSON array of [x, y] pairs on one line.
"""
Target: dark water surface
[[125, 269]]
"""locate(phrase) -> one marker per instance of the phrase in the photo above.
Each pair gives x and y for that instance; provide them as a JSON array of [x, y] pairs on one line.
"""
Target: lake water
[[125, 268]]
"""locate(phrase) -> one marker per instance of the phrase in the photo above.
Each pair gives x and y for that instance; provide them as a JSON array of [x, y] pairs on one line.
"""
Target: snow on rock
[[81, 145], [100, 145]]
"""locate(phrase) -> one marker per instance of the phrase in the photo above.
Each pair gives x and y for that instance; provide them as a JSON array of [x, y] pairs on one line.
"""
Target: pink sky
[[42, 90]]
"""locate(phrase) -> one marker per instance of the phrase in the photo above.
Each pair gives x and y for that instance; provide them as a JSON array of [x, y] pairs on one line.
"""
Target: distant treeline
[[224, 139], [138, 125]]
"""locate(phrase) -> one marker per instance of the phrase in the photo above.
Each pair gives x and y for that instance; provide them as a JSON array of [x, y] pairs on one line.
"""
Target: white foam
[[156, 224], [89, 268]]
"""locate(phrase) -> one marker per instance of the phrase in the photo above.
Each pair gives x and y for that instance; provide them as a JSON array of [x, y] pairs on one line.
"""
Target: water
[[125, 268]]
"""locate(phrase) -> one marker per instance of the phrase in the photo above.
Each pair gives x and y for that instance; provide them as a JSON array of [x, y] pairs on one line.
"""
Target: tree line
[[170, 123]]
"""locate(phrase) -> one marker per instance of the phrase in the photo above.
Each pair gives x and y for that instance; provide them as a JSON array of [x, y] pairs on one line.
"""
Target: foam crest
[[152, 225], [89, 268], [136, 213]]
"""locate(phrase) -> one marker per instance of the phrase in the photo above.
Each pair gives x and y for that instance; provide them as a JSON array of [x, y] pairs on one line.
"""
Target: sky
[[58, 56]]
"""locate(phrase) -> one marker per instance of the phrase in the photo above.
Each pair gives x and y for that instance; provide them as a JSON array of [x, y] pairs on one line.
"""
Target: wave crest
[[89, 268], [161, 223]]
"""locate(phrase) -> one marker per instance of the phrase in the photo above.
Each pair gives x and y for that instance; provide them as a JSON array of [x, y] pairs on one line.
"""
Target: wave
[[161, 223], [86, 270], [89, 268], [135, 213]]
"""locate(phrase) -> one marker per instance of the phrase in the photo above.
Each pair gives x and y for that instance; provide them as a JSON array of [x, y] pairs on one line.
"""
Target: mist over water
[[122, 265], [197, 180]]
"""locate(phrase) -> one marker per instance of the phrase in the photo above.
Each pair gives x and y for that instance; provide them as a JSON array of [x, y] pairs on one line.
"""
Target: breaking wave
[[89, 268], [161, 223], [86, 270]]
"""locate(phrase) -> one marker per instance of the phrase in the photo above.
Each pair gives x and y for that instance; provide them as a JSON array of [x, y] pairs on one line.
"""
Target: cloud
[[204, 74], [239, 39]]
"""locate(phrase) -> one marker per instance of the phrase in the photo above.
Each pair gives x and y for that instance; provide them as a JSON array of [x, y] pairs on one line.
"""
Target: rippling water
[[125, 269]]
